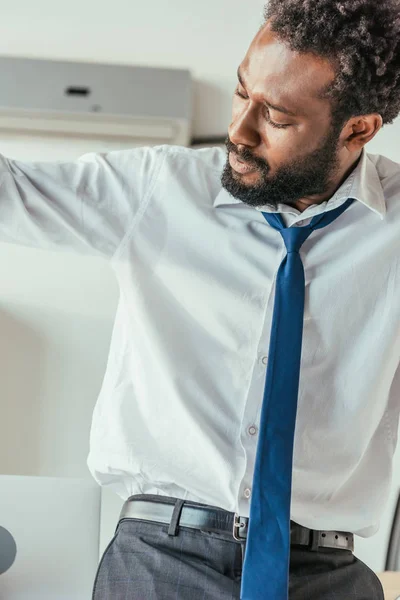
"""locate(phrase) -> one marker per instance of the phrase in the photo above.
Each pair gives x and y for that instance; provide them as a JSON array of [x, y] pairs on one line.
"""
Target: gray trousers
[[143, 562]]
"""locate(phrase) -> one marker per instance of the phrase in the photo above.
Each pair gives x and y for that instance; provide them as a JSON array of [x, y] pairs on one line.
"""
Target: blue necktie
[[265, 574]]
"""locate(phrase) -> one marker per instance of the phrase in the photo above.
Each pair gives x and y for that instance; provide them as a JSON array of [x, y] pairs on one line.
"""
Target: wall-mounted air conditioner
[[129, 105]]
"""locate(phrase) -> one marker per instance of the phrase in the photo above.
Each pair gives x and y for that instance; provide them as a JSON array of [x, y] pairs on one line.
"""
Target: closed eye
[[268, 118]]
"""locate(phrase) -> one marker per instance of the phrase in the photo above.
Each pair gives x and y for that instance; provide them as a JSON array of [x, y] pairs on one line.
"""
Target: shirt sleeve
[[86, 206]]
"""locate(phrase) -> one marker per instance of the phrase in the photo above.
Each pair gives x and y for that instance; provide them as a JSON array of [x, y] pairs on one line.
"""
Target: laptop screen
[[49, 537]]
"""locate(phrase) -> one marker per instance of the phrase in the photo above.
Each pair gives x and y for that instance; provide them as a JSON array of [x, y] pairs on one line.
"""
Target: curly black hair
[[360, 39]]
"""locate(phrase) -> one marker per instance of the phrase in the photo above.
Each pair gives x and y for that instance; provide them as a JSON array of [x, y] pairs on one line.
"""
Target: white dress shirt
[[179, 408]]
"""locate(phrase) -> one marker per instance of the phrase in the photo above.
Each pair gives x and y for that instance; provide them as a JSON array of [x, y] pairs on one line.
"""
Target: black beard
[[310, 175]]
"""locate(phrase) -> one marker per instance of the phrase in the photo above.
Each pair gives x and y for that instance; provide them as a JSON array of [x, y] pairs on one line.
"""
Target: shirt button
[[252, 430], [247, 492], [300, 223], [265, 360]]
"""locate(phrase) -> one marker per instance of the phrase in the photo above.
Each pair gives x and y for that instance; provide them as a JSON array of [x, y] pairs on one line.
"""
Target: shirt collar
[[363, 184]]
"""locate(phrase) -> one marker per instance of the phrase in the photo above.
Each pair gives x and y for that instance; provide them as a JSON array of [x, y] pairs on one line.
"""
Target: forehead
[[280, 75]]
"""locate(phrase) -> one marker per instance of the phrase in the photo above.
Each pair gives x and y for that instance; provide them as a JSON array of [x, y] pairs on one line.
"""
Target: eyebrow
[[277, 107]]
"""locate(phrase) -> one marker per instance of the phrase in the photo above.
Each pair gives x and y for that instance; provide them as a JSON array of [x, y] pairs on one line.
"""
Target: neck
[[304, 203]]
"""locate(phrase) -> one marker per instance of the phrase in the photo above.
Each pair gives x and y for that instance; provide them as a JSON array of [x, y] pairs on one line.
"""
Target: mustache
[[245, 155]]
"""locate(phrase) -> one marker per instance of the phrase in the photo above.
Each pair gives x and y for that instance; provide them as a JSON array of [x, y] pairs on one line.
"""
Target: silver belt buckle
[[236, 525]]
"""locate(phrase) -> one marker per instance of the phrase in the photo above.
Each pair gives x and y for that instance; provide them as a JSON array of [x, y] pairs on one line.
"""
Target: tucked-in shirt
[[178, 413]]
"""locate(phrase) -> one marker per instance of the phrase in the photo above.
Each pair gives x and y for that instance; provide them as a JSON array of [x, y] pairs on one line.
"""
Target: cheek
[[237, 107]]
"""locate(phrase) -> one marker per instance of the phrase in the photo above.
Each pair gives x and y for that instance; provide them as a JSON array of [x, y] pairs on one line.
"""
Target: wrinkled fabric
[[179, 407]]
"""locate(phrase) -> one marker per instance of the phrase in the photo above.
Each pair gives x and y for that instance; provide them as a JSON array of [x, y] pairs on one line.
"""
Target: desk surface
[[391, 584]]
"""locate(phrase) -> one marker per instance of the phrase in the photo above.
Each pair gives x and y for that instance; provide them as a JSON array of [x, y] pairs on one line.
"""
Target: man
[[176, 426]]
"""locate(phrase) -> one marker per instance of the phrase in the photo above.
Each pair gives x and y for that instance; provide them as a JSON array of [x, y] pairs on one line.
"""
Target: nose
[[243, 130]]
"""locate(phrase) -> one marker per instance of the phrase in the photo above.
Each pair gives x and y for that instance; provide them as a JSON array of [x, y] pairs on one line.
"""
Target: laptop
[[49, 537]]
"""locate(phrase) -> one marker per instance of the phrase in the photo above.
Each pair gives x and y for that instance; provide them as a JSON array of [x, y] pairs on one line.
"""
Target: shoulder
[[205, 159], [386, 168], [193, 171], [165, 161], [388, 173]]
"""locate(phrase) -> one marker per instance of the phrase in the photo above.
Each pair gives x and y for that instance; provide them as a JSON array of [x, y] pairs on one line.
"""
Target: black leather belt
[[180, 513]]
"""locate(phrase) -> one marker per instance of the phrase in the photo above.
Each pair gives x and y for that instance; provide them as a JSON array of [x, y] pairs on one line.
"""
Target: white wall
[[57, 309], [209, 38]]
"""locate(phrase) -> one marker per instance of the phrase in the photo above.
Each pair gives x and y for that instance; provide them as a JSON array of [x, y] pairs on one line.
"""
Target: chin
[[247, 178]]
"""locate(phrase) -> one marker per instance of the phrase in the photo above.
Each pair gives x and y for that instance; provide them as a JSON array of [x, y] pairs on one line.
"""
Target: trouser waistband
[[176, 513]]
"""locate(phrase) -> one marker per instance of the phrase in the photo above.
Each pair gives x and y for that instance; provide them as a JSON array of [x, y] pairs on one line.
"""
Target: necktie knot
[[294, 237]]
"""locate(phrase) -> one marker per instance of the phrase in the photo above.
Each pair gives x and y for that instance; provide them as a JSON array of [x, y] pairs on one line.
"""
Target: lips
[[240, 166]]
